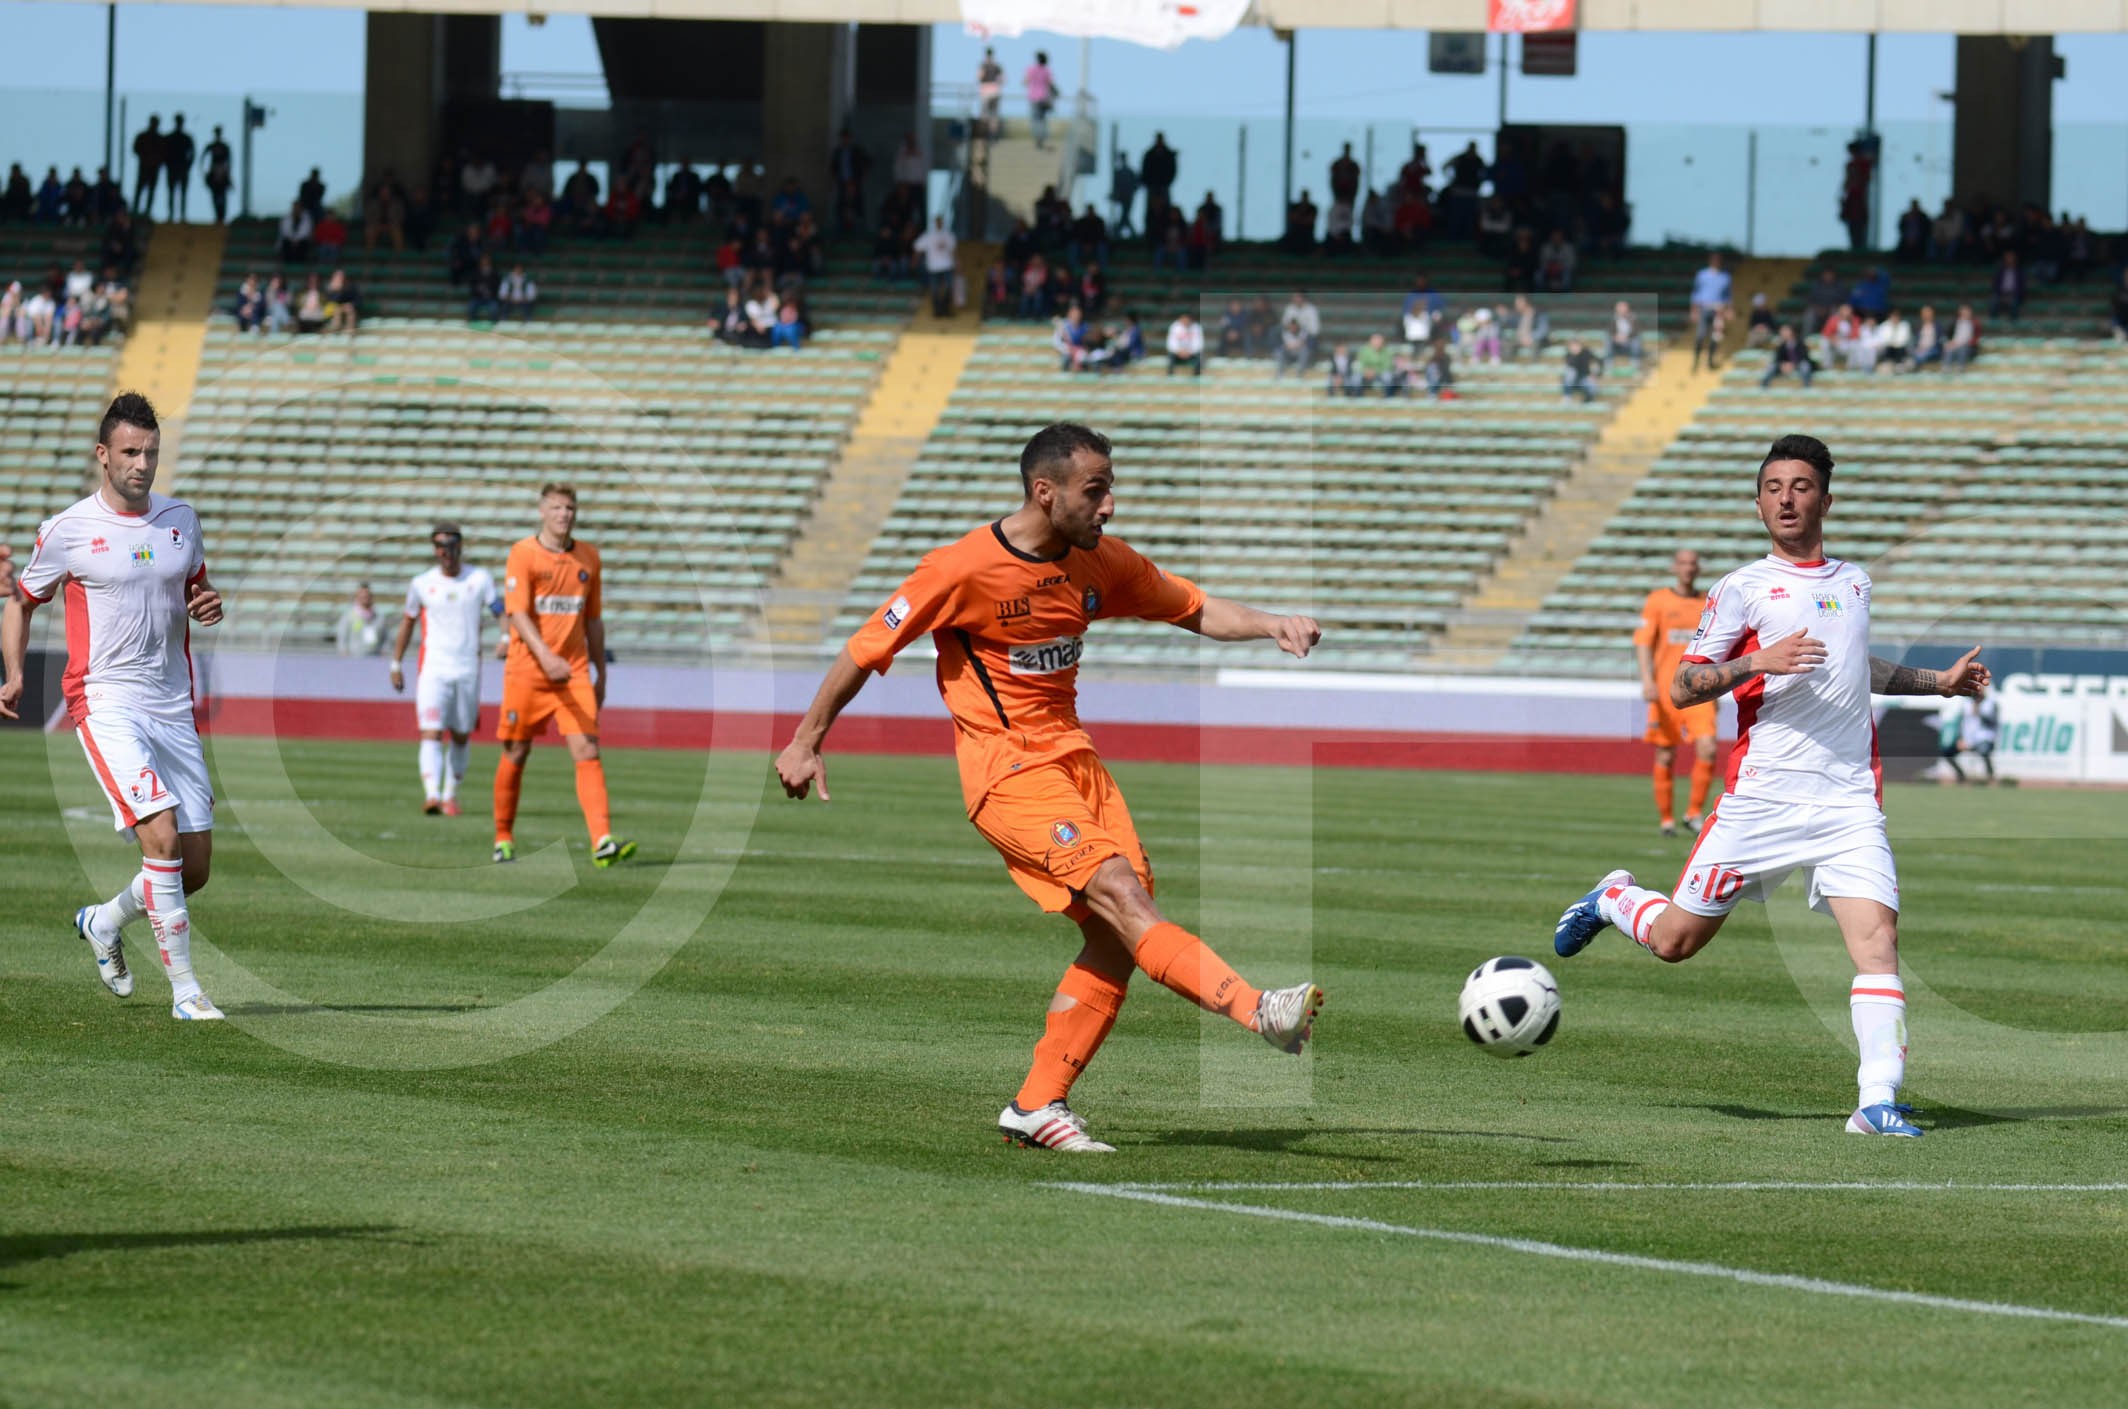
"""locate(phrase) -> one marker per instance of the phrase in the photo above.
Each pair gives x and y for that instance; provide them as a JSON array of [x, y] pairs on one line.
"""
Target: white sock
[[1877, 1006], [455, 773], [431, 768], [162, 885], [120, 910], [1633, 909]]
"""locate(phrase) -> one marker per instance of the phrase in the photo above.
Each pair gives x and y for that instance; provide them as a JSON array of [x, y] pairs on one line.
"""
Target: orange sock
[[509, 779], [1665, 794], [1072, 1036], [1174, 957], [1702, 784], [591, 796]]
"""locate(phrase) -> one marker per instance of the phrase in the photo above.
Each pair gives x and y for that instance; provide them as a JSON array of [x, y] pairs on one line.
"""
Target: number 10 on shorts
[[1714, 885]]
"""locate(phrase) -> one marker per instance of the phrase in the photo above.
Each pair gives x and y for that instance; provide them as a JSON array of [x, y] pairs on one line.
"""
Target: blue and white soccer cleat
[[110, 958], [197, 1007], [1584, 920], [1884, 1118]]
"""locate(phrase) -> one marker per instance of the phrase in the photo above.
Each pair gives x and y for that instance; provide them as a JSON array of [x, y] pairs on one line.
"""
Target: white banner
[[1159, 24]]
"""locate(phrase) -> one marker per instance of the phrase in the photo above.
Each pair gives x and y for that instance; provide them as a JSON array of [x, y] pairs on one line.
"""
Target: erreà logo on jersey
[[1047, 657]]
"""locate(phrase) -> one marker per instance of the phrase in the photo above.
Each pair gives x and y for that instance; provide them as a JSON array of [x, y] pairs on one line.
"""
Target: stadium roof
[[1809, 16]]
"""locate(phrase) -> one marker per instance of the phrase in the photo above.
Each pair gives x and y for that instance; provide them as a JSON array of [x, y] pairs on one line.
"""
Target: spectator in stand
[[1579, 371], [1300, 225], [1122, 195], [537, 176], [912, 173], [1466, 174], [1555, 264], [1946, 237], [1124, 347], [763, 308], [383, 215], [16, 200], [890, 254], [1928, 341], [1872, 298], [343, 303], [1529, 330], [624, 211], [312, 193], [1093, 291], [1759, 332], [535, 223], [2008, 287], [1041, 98], [1418, 171], [1263, 327], [250, 305], [1302, 315], [1788, 357], [1625, 333], [2120, 309], [280, 306], [730, 325], [1345, 178], [1089, 238], [1377, 366], [1520, 275], [12, 328], [1862, 349], [107, 198], [79, 281], [1414, 217], [1439, 373], [310, 307], [465, 253], [683, 194], [51, 199], [1063, 288], [178, 153], [1344, 372], [518, 294], [477, 178], [1234, 340], [1156, 172], [1293, 349], [147, 165], [1854, 193], [1839, 334], [940, 254], [1964, 343], [1185, 343], [580, 199], [359, 631], [1479, 332], [1034, 287], [75, 206], [40, 315], [329, 236], [1211, 221], [1069, 339], [789, 331], [1913, 232], [990, 94], [483, 294], [1710, 302], [1171, 242], [1824, 299], [1496, 228], [1378, 233], [1338, 228], [293, 243], [1895, 342]]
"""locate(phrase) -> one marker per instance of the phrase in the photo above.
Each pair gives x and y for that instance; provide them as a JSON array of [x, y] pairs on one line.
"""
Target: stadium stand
[[320, 461], [50, 397]]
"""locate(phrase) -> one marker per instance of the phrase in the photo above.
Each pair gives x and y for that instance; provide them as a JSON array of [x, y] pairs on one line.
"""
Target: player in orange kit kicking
[[1006, 606], [556, 669], [1667, 621]]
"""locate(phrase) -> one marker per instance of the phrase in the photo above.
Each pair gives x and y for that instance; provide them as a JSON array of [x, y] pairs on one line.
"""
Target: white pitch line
[[1784, 1281], [1610, 1186]]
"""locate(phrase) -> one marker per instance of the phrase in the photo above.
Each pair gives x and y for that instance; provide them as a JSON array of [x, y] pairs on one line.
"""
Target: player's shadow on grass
[[1282, 1140], [19, 1249], [1931, 1117], [289, 1010]]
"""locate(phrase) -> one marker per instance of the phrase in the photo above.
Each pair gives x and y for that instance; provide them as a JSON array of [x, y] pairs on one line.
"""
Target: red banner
[[1528, 16]]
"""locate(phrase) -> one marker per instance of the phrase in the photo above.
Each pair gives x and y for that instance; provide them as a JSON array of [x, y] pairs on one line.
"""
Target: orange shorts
[[1055, 824], [1668, 726], [527, 705]]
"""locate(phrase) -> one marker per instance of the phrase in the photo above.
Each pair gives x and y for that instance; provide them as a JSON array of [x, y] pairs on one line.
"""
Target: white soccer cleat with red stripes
[[110, 957], [1054, 1127]]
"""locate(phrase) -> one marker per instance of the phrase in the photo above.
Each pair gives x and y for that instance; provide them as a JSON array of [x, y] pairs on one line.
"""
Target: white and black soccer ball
[[1510, 1006]]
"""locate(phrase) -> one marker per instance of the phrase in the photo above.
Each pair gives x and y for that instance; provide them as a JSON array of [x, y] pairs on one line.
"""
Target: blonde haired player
[[449, 601], [556, 669], [134, 574], [1668, 618]]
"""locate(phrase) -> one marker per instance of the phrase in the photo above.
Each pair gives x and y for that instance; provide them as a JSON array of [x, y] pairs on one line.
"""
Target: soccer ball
[[1510, 1006]]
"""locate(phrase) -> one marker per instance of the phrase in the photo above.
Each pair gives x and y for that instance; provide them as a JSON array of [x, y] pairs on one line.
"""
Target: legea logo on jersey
[[1828, 603]]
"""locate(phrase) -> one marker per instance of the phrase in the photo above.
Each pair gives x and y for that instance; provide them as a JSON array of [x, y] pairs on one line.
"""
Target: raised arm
[[800, 765], [1967, 677], [1222, 619]]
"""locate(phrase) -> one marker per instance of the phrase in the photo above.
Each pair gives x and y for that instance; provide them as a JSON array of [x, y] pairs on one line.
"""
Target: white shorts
[[449, 703], [1750, 846], [148, 765]]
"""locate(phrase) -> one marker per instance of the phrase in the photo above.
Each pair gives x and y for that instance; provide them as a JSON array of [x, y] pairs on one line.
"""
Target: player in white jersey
[[1790, 635], [449, 600], [134, 574]]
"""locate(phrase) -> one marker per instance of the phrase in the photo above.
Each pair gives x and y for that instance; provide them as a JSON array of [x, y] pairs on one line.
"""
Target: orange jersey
[[561, 591], [1667, 622], [1009, 630]]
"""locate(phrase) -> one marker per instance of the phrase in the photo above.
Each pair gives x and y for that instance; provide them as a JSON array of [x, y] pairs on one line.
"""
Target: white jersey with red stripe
[[450, 611], [1800, 738], [124, 577]]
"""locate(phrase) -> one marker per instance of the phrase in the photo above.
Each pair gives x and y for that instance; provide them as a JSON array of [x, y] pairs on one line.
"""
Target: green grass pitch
[[462, 1149]]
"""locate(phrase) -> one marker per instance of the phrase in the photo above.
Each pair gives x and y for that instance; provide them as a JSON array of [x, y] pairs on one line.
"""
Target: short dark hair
[[1807, 448], [555, 486], [446, 529], [129, 408], [1049, 454]]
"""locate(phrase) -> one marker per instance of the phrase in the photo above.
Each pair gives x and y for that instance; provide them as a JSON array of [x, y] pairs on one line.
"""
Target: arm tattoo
[[1888, 679], [1698, 683]]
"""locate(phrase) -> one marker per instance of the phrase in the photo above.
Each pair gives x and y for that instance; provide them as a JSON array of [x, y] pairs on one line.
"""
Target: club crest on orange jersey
[[1066, 834], [1092, 600]]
